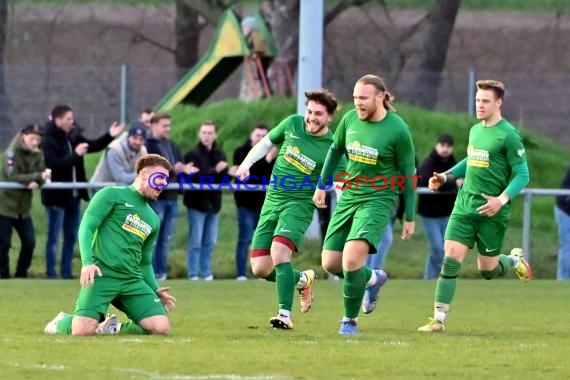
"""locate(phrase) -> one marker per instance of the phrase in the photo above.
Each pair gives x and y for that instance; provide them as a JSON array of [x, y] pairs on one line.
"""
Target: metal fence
[[527, 194], [538, 101]]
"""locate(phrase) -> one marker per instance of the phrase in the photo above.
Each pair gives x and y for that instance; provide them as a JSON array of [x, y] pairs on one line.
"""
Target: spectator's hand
[[242, 173], [179, 167], [46, 175], [221, 166], [492, 206], [167, 300], [115, 129], [232, 171], [81, 148], [319, 198], [88, 274], [436, 181], [32, 185], [272, 154], [408, 229], [189, 168]]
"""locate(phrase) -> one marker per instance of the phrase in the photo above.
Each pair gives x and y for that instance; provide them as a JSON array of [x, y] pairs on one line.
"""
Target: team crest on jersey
[[477, 157], [135, 225], [520, 152], [362, 153], [294, 156]]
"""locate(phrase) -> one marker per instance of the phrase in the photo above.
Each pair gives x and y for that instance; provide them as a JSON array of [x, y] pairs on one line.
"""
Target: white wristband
[[444, 178], [503, 199]]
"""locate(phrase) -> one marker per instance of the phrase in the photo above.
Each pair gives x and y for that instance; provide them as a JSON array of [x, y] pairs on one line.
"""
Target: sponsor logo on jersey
[[362, 153], [520, 152], [135, 225], [294, 156], [477, 157]]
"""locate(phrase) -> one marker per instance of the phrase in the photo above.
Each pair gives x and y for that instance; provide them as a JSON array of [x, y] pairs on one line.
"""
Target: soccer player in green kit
[[288, 209], [381, 163], [116, 236], [495, 171]]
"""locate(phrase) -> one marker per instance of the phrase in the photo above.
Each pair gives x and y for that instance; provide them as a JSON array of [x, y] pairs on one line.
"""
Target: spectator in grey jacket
[[118, 162]]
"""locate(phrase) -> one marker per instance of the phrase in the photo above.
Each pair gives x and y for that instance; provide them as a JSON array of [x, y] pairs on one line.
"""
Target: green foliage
[[496, 329]]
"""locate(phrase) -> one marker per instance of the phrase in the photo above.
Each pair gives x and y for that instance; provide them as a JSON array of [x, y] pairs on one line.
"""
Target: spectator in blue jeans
[[22, 162], [562, 214], [249, 203], [203, 206], [64, 147], [166, 206], [436, 208]]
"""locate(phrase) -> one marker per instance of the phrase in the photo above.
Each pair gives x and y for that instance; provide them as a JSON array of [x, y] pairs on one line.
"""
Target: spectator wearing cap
[[64, 148], [22, 162], [118, 162], [436, 208]]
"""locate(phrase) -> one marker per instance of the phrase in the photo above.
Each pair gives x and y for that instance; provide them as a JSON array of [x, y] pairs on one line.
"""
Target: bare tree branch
[[210, 10], [341, 7], [139, 37]]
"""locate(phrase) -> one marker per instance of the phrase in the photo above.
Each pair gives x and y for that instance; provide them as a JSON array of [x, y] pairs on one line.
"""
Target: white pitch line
[[158, 375]]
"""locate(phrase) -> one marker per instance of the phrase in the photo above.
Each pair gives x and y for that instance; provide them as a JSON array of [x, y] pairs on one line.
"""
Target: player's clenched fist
[[436, 180]]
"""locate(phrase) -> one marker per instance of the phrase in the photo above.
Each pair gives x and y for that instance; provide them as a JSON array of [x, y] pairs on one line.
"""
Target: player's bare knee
[[331, 262], [160, 329]]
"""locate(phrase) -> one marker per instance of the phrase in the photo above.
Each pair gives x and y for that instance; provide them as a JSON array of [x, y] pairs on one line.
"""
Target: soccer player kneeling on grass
[[288, 210], [495, 171], [116, 237]]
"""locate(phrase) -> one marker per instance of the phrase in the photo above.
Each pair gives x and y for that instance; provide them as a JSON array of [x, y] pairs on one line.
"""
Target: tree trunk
[[5, 123], [283, 19], [436, 42], [187, 30]]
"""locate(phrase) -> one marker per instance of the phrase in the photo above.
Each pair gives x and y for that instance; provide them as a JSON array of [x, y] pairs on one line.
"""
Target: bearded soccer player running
[[288, 210], [495, 171], [381, 161], [116, 236]]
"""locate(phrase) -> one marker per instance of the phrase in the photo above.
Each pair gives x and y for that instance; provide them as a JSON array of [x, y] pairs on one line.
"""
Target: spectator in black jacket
[[436, 208], [249, 203], [64, 147], [166, 206], [203, 206], [562, 214]]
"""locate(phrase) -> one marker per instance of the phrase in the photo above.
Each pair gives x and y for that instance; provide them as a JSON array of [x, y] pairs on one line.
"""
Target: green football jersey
[[491, 153], [381, 159], [299, 163], [125, 227]]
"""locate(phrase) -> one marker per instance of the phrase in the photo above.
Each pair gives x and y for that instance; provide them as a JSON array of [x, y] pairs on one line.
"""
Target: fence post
[[527, 215], [124, 90], [471, 94]]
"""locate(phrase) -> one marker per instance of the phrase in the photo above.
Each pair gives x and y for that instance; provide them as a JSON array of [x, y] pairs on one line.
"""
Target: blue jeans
[[435, 231], [25, 229], [66, 219], [203, 236], [563, 221], [247, 222], [167, 211], [376, 261]]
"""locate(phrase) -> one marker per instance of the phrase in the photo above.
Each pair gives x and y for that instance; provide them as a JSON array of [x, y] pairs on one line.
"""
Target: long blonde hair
[[380, 86]]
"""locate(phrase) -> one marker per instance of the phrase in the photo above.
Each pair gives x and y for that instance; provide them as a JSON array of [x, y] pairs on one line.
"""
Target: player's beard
[[320, 127]]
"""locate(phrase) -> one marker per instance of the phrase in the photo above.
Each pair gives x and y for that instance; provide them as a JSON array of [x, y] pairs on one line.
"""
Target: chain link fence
[[537, 101]]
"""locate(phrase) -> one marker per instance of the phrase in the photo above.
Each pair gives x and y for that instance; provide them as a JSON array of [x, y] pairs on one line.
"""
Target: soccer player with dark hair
[[288, 210], [116, 236], [495, 171], [381, 161]]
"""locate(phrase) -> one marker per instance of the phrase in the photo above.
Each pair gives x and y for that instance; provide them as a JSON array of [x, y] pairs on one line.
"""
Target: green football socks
[[354, 285], [285, 278]]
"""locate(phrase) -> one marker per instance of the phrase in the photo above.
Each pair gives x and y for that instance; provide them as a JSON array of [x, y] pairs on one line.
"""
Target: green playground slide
[[225, 55]]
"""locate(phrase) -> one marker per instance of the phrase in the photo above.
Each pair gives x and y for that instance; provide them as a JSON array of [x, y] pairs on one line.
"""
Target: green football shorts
[[358, 220], [288, 219], [133, 297], [488, 233]]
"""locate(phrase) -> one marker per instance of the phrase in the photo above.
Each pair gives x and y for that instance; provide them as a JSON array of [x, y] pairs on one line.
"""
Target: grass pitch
[[220, 330]]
